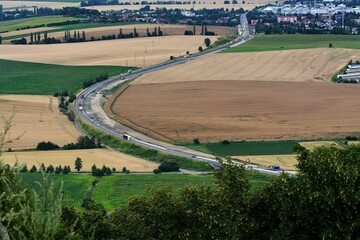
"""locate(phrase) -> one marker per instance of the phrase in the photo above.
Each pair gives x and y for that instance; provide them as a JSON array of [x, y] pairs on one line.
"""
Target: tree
[[66, 170], [124, 170], [200, 49], [58, 169], [33, 169], [196, 141], [42, 168], [83, 36], [78, 164], [207, 42], [50, 169], [169, 166], [24, 168], [156, 171]]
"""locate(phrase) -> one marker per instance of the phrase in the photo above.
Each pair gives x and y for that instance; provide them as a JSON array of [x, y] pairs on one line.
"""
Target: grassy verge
[[223, 40], [12, 25], [296, 41], [36, 78], [145, 153]]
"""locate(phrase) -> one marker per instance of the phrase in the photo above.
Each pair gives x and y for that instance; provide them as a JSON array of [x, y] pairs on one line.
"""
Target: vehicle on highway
[[127, 137]]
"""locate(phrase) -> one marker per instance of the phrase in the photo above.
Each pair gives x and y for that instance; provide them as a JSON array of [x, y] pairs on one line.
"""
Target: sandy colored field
[[121, 52], [30, 110], [241, 110], [312, 145], [308, 65], [169, 30], [26, 31], [22, 4], [89, 156], [286, 162], [209, 4]]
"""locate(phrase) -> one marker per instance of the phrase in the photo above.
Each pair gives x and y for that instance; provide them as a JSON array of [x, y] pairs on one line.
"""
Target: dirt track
[[237, 110], [121, 52], [37, 119]]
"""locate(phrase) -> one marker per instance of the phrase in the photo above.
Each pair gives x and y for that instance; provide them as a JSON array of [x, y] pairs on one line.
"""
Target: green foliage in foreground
[[145, 153], [296, 41], [245, 148], [321, 202], [36, 78], [12, 25]]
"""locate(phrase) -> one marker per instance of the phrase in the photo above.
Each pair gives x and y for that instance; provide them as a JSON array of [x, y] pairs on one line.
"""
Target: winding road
[[88, 104]]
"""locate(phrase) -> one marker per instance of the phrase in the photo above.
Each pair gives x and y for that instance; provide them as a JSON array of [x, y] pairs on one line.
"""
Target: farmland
[[114, 191], [99, 157], [121, 52], [36, 119], [29, 4], [297, 41], [286, 162], [35, 78], [31, 22]]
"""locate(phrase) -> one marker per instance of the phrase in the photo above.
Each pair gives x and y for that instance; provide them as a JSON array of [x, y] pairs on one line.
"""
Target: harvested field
[[30, 4], [167, 29], [315, 65], [241, 110], [286, 162], [209, 4], [312, 145], [89, 157], [26, 31], [122, 52], [37, 119]]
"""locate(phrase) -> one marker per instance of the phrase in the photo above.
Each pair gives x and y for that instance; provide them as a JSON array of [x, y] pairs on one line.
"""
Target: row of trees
[[83, 142], [50, 169], [76, 37]]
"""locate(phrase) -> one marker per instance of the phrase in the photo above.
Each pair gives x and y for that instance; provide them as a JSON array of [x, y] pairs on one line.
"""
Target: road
[[88, 104]]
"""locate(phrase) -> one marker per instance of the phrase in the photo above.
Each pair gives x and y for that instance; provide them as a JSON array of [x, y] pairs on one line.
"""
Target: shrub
[[196, 141], [45, 146], [169, 166], [156, 171]]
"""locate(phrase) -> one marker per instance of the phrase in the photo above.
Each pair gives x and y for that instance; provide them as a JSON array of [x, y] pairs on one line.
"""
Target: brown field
[[22, 4], [25, 31], [37, 119], [241, 110], [312, 145], [286, 162], [209, 4], [121, 52], [315, 65], [167, 29], [99, 157]]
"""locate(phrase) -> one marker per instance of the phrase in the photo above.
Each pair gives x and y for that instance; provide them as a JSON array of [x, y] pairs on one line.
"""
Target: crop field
[[50, 4], [286, 162], [98, 30], [12, 25], [35, 78], [99, 157], [240, 110], [312, 145], [297, 41], [316, 65], [37, 119], [121, 52], [114, 191]]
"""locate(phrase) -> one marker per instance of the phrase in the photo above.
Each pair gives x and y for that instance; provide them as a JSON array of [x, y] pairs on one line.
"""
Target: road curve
[[83, 104]]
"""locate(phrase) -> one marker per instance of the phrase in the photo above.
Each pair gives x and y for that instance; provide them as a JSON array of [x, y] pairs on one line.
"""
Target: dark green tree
[[78, 164]]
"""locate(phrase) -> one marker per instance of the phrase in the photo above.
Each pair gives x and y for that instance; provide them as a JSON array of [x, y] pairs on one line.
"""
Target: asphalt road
[[83, 106]]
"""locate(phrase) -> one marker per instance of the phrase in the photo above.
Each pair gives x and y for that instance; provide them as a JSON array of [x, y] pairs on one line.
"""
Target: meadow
[[12, 25], [296, 41], [114, 191], [45, 79]]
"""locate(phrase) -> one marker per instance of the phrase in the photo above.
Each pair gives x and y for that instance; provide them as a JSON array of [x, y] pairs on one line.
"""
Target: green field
[[296, 41], [36, 78], [245, 148], [12, 25], [114, 191]]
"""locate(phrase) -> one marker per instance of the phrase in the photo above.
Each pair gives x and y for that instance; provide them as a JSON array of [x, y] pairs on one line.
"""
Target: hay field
[[167, 29], [30, 4], [121, 52], [316, 65], [312, 145], [37, 119], [286, 162], [209, 4], [241, 110], [89, 156]]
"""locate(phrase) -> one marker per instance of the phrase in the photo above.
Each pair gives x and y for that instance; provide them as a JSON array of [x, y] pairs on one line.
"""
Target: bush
[[225, 142], [169, 166], [196, 141], [45, 146], [156, 171]]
